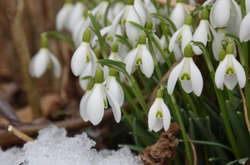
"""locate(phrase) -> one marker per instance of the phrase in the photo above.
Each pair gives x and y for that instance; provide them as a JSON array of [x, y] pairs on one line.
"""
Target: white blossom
[[159, 116], [230, 72], [62, 17], [245, 28], [188, 74], [178, 15], [43, 60]]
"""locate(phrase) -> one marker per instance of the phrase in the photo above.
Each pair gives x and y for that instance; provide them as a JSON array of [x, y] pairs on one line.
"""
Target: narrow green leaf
[[165, 20], [124, 41], [61, 36]]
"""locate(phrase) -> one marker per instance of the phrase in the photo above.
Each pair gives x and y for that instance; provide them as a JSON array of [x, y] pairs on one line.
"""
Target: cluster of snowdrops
[[129, 29]]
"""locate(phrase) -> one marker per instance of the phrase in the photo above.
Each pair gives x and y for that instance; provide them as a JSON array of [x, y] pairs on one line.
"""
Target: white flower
[[181, 37], [43, 60], [131, 13], [79, 30], [202, 34], [159, 116], [142, 57], [62, 17], [188, 74], [75, 15], [81, 57], [226, 13], [97, 101], [245, 28], [86, 74], [114, 89], [178, 15], [100, 10], [230, 72]]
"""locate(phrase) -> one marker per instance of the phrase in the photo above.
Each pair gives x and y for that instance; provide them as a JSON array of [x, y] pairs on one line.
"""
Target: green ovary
[[185, 76]]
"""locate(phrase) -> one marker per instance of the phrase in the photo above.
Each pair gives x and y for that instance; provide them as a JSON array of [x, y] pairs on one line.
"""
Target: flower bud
[[230, 48], [205, 14], [222, 54]]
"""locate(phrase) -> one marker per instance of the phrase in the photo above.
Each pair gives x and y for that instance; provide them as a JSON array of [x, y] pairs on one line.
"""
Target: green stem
[[222, 106]]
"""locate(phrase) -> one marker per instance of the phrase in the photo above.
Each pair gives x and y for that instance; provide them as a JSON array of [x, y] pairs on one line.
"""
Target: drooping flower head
[[188, 74], [159, 116], [43, 60], [229, 72], [62, 17], [179, 14]]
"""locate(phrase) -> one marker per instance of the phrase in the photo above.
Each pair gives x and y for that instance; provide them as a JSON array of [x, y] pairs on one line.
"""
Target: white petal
[[116, 21], [220, 13], [196, 78], [186, 37], [240, 73], [39, 63], [93, 61], [244, 28], [114, 88], [147, 66], [166, 115], [235, 18], [153, 122], [75, 15], [83, 106], [201, 35], [220, 73], [56, 65], [186, 85], [247, 5], [138, 5], [178, 15], [114, 106], [177, 52], [230, 81], [132, 32], [130, 60], [95, 105], [62, 16], [86, 72], [216, 44], [173, 77], [174, 39], [78, 60]]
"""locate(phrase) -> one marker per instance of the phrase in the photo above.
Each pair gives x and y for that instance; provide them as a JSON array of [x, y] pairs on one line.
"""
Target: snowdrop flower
[[62, 17], [83, 56], [43, 60], [75, 15], [179, 14], [202, 32], [115, 10], [100, 10], [98, 99], [133, 12], [114, 88], [159, 115], [245, 29], [181, 37], [188, 74], [226, 13], [230, 71], [140, 56]]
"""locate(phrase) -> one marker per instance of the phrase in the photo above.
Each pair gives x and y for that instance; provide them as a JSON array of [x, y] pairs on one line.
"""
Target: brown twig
[[245, 109], [194, 151], [163, 80], [19, 134], [173, 4]]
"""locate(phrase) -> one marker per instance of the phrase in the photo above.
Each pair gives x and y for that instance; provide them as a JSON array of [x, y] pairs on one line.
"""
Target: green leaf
[[86, 77], [209, 143], [124, 41], [137, 25], [240, 161], [119, 66], [61, 36], [165, 20]]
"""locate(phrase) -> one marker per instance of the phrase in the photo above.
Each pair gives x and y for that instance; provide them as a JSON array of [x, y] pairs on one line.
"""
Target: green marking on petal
[[139, 61], [87, 58], [105, 103], [230, 71], [185, 76], [159, 114]]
